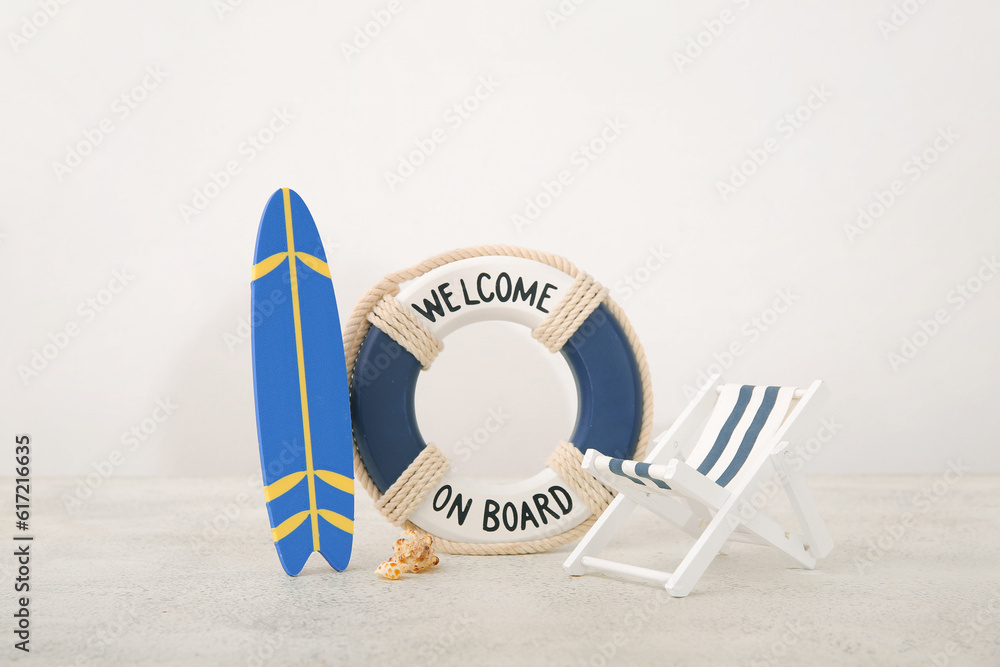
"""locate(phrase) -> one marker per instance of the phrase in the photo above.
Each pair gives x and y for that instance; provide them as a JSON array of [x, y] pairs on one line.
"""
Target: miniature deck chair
[[743, 446]]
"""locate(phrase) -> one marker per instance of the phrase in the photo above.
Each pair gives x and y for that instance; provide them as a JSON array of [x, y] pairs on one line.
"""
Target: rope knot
[[402, 326], [583, 298], [405, 495]]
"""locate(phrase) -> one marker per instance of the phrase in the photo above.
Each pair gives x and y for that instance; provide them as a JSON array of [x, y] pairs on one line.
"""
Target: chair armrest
[[682, 477]]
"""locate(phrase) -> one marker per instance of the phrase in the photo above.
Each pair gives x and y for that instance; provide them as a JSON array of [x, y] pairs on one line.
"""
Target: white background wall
[[169, 334]]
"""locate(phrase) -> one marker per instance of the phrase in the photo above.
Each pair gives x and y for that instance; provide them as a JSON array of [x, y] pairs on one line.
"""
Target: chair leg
[[718, 532], [602, 532], [701, 555], [806, 510], [771, 532], [744, 514]]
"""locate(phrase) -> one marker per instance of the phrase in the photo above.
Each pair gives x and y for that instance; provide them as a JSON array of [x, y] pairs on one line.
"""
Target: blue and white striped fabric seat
[[743, 422]]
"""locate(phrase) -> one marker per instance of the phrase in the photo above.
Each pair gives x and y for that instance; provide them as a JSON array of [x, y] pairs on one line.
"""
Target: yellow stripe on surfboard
[[314, 263], [289, 524], [265, 266], [288, 482], [303, 393], [336, 480], [276, 489], [338, 520]]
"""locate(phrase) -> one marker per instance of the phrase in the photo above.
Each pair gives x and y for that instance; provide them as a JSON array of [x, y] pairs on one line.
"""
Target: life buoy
[[394, 334]]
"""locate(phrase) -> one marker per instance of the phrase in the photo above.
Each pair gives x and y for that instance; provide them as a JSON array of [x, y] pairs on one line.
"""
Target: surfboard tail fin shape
[[336, 543], [336, 547], [294, 550]]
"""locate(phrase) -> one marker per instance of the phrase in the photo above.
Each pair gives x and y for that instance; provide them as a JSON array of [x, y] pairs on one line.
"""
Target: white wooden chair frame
[[714, 515]]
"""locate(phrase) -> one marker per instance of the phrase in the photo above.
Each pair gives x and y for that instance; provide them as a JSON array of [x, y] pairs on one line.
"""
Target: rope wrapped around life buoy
[[378, 306]]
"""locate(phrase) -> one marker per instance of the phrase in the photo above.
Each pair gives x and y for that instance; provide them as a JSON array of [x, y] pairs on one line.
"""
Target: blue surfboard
[[300, 388]]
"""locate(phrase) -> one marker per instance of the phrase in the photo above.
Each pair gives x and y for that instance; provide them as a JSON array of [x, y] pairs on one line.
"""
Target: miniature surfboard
[[300, 387]]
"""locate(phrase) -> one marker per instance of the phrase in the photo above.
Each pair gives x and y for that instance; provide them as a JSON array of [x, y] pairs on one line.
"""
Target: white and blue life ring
[[614, 406]]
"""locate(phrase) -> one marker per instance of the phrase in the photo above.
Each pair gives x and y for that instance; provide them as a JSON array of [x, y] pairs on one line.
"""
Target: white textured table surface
[[153, 571]]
